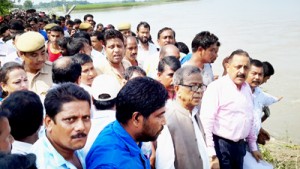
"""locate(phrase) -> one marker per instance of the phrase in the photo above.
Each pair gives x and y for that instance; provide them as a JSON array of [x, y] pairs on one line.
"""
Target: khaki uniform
[[41, 82]]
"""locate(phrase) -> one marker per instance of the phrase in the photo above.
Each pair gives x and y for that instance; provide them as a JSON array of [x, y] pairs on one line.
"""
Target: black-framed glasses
[[195, 88]]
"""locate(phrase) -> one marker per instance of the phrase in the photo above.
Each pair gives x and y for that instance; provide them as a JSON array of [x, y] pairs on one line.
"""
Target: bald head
[[65, 69], [169, 50]]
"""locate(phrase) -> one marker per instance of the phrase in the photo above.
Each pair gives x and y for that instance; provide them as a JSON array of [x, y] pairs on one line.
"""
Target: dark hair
[[57, 29], [237, 52], [256, 63], [25, 113], [99, 35], [204, 40], [82, 58], [77, 21], [7, 68], [20, 161], [3, 28], [61, 18], [99, 24], [130, 70], [183, 48], [17, 25], [32, 19], [142, 94], [69, 22], [87, 15], [268, 69], [64, 93], [165, 29], [67, 16], [63, 43], [144, 24], [67, 71], [84, 35], [104, 105], [75, 45], [171, 61], [111, 34]]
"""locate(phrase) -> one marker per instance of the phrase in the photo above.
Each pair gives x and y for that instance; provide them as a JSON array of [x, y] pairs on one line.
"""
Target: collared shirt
[[106, 68], [115, 148], [41, 82], [19, 147], [227, 112], [261, 99], [143, 54], [48, 158]]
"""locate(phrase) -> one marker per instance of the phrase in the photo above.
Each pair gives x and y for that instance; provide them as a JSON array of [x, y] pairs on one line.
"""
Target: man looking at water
[[140, 108], [227, 115]]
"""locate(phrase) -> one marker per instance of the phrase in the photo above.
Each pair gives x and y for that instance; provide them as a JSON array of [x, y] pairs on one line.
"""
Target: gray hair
[[184, 72]]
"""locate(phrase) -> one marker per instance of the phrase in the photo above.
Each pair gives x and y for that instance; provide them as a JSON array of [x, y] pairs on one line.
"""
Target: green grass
[[119, 5]]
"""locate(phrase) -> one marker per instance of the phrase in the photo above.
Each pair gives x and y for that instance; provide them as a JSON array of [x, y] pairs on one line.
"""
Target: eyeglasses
[[195, 88]]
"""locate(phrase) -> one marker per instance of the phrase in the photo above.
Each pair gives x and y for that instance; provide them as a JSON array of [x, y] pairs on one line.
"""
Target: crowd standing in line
[[78, 94]]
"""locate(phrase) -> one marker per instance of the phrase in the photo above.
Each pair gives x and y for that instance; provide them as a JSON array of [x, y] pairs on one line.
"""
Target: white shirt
[[165, 155], [143, 54], [261, 99], [12, 57], [206, 72], [19, 147], [100, 119], [200, 140]]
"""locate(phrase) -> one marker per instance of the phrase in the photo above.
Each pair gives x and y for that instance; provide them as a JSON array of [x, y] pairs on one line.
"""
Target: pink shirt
[[227, 112]]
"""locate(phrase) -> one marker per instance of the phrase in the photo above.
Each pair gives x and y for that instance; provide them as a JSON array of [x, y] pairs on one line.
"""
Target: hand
[[214, 163], [257, 155], [263, 136]]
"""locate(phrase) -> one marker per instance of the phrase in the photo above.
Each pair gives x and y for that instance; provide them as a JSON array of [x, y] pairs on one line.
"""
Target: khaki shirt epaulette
[[42, 81]]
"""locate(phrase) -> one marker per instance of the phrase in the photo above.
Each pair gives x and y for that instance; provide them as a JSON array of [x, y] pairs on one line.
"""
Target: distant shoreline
[[117, 5]]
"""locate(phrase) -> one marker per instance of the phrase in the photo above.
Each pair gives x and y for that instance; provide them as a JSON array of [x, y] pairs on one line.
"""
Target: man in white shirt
[[183, 120]]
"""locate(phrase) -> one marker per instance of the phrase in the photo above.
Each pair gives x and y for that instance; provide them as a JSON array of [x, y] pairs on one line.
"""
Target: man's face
[[255, 76], [238, 69], [166, 78], [88, 73], [131, 49], [210, 54], [41, 25], [185, 93], [6, 139], [55, 36], [35, 60], [34, 26], [69, 27], [166, 37], [126, 32], [153, 125], [97, 44], [100, 28], [76, 26], [143, 34], [114, 50], [70, 127], [89, 20]]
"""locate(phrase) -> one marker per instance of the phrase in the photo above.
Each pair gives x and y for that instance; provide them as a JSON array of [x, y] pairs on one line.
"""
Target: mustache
[[79, 135], [241, 76]]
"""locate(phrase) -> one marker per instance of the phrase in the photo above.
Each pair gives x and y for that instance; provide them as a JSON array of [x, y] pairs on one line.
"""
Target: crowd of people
[[77, 94]]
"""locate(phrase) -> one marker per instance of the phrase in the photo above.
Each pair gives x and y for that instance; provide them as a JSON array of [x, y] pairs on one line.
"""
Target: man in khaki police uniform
[[31, 46]]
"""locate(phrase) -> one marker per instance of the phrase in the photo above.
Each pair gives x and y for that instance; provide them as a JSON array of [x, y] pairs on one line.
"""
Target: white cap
[[105, 87]]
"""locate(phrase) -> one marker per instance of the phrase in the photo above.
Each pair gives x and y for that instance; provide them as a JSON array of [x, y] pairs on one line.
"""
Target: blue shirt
[[48, 158], [185, 58], [115, 148]]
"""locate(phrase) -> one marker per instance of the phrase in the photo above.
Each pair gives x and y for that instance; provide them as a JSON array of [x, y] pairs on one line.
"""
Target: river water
[[269, 30]]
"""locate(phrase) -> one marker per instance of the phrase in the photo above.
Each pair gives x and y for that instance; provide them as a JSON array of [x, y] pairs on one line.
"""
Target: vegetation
[[28, 4], [282, 155], [5, 6]]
